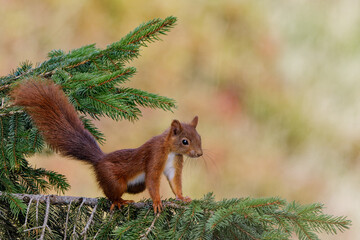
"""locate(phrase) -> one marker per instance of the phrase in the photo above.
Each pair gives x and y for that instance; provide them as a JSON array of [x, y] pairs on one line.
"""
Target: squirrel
[[126, 170]]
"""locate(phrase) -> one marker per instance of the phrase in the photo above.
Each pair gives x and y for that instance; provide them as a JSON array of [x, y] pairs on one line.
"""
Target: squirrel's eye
[[185, 142]]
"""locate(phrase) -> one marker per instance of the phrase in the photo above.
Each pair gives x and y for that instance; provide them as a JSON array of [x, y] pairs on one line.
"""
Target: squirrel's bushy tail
[[57, 119]]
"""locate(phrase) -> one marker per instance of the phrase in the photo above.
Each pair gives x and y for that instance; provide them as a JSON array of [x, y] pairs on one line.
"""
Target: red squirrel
[[126, 170]]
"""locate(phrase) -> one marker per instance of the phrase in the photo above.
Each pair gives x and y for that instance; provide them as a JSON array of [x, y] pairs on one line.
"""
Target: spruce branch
[[37, 211], [27, 211], [45, 226], [151, 29], [66, 200], [10, 113], [74, 234], [144, 236], [54, 199], [243, 218], [67, 219], [89, 222]]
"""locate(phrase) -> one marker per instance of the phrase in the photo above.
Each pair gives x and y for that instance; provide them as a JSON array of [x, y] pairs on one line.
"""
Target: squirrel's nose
[[199, 154]]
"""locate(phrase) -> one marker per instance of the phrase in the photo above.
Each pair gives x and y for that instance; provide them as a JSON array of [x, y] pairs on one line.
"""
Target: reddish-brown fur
[[116, 172]]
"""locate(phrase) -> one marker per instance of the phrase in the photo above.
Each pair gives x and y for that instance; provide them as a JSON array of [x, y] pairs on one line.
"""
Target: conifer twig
[[27, 211], [37, 211], [11, 113], [111, 216], [74, 230], [151, 227], [34, 228], [67, 220], [89, 222], [45, 218], [4, 87], [243, 231]]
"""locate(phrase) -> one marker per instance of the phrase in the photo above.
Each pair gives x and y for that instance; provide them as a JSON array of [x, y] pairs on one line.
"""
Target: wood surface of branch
[[66, 200]]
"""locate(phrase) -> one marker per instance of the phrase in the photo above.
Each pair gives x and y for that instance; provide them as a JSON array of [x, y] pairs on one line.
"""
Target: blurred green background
[[275, 85]]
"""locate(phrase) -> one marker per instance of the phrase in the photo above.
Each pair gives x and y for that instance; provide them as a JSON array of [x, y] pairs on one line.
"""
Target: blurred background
[[275, 85]]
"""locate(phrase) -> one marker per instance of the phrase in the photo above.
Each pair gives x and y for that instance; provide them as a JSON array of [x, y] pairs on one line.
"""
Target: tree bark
[[65, 200]]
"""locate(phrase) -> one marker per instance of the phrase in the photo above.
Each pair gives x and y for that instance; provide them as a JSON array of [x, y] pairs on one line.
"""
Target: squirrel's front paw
[[184, 199]]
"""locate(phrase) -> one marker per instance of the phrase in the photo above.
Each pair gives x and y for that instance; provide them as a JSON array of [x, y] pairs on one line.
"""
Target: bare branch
[[66, 200], [37, 211], [45, 218], [89, 222], [74, 231], [34, 228], [111, 216], [67, 220], [144, 236], [11, 113], [55, 199], [27, 211]]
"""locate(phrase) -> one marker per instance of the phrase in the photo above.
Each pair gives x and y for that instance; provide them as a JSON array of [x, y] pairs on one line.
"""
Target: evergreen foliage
[[92, 78], [51, 217]]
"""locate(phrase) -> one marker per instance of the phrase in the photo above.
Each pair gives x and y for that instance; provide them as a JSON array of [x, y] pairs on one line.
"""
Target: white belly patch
[[169, 169], [137, 180]]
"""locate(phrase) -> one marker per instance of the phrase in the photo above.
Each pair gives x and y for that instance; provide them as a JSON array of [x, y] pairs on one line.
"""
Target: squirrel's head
[[185, 138]]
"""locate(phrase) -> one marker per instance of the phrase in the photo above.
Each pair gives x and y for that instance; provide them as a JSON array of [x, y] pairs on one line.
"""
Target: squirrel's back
[[57, 119]]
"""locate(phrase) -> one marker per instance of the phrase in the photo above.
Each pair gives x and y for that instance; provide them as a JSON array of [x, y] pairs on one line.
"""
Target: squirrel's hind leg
[[120, 203], [115, 192]]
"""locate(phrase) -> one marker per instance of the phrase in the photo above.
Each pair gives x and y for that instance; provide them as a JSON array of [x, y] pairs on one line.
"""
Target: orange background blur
[[275, 85]]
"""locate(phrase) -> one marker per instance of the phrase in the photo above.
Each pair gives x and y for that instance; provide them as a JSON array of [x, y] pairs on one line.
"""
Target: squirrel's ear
[[194, 122], [176, 127]]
